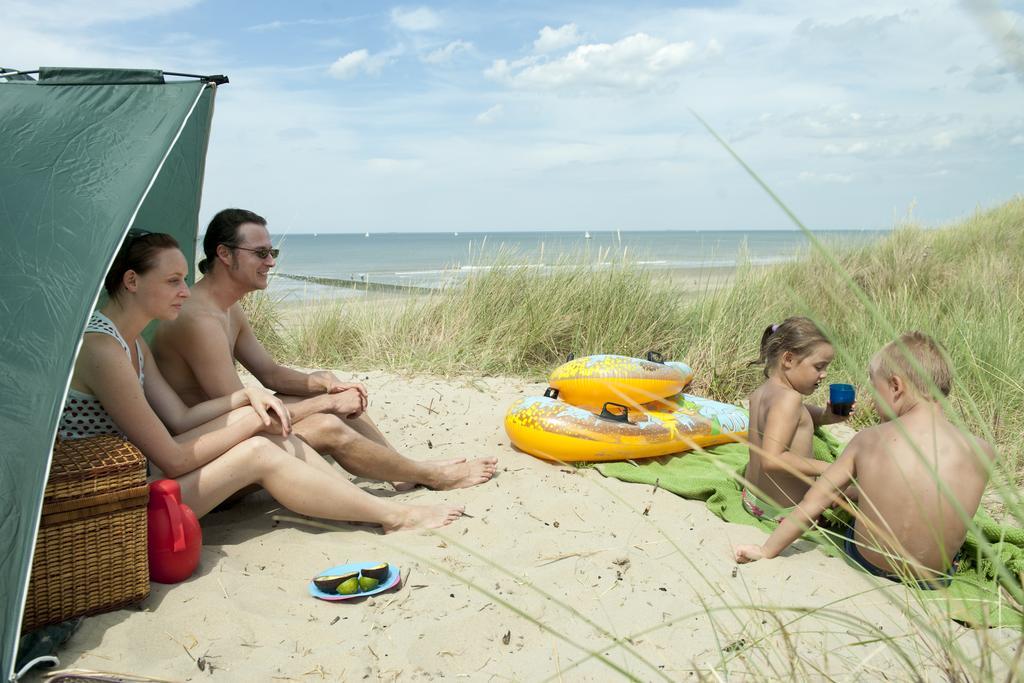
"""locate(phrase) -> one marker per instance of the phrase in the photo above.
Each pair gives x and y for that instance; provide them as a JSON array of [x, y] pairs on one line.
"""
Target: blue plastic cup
[[841, 396]]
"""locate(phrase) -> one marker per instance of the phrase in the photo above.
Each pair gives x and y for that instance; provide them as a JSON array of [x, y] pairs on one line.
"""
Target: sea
[[330, 265]]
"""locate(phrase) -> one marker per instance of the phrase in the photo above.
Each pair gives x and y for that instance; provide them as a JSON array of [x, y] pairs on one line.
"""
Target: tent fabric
[[85, 157], [57, 75]]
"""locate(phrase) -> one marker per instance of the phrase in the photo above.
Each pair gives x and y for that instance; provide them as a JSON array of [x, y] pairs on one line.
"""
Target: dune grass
[[961, 283]]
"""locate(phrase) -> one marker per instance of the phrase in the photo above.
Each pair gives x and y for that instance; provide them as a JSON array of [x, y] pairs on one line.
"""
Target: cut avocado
[[329, 583], [350, 585], [379, 572]]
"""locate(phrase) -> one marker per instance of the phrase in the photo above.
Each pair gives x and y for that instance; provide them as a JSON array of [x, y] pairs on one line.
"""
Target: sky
[[369, 116]]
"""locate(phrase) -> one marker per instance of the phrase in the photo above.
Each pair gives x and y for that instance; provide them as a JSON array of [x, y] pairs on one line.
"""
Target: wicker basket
[[90, 554]]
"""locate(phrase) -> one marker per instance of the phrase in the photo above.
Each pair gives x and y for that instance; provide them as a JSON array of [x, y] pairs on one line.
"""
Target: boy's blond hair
[[931, 367]]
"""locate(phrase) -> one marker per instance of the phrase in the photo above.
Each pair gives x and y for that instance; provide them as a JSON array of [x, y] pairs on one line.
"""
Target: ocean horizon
[[318, 265]]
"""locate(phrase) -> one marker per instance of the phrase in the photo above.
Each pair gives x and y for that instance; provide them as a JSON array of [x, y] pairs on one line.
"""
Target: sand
[[623, 560]]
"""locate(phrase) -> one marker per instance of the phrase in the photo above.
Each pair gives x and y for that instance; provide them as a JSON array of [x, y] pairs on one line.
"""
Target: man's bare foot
[[460, 473], [414, 517], [403, 486]]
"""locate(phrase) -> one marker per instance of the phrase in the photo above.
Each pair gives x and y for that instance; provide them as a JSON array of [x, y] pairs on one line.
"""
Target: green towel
[[977, 596]]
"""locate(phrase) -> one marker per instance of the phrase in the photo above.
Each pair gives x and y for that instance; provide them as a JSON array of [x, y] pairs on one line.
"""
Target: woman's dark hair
[[797, 335], [138, 252], [223, 229]]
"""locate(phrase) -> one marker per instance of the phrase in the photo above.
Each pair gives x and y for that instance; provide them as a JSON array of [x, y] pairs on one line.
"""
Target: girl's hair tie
[[775, 327]]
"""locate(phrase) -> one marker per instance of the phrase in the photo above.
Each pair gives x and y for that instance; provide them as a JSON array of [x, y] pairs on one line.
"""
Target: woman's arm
[[181, 418], [106, 372]]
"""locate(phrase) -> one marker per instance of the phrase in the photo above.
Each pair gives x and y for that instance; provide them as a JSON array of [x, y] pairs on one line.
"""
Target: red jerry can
[[175, 539]]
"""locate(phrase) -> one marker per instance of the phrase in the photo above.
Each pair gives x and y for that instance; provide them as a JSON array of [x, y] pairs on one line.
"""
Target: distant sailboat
[[366, 235], [586, 235], [316, 234], [456, 234]]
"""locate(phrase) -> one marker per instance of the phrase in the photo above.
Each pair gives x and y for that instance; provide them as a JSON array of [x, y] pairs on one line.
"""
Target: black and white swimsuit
[[83, 414]]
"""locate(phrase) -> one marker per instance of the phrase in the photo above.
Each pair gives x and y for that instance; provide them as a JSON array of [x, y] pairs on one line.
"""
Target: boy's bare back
[[908, 472]]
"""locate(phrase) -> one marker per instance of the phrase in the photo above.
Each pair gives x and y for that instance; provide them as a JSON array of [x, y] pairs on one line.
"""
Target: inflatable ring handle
[[655, 357], [613, 417], [571, 357], [551, 392]]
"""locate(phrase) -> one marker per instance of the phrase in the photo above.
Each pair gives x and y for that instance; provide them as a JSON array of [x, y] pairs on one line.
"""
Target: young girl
[[796, 356], [222, 445]]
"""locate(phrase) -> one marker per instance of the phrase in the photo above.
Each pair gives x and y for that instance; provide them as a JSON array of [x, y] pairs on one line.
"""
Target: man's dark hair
[[223, 229]]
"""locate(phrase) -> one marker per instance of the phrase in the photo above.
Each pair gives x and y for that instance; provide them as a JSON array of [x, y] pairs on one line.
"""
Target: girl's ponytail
[[797, 335]]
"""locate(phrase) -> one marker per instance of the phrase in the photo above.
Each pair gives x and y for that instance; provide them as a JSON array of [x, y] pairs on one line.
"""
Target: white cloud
[[942, 140], [419, 19], [82, 13], [810, 176], [857, 29], [1017, 140], [854, 148], [636, 62], [357, 62], [388, 165], [88, 35], [989, 78], [447, 53], [491, 115], [553, 39], [277, 24]]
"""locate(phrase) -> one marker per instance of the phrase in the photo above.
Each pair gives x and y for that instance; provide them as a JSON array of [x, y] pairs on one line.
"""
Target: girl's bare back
[[774, 410]]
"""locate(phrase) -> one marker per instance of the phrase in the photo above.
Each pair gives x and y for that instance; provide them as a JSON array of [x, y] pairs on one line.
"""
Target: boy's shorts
[[850, 548]]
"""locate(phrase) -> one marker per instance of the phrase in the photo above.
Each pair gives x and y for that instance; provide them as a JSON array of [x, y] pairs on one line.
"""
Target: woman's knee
[[260, 454]]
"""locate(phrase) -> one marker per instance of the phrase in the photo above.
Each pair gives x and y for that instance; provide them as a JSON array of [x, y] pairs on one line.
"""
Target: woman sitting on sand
[[222, 445]]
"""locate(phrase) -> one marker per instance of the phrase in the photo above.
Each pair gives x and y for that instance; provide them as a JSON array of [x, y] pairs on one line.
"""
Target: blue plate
[[394, 577]]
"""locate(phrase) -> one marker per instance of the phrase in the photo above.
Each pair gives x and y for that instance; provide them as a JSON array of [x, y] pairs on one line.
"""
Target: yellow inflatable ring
[[552, 429], [592, 381]]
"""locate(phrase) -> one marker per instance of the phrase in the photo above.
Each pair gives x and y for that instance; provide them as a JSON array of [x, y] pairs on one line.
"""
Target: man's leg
[[365, 426], [364, 457]]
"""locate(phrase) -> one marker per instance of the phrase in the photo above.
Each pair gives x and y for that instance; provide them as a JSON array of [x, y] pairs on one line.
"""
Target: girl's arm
[[818, 497], [780, 427], [824, 416], [107, 373], [181, 418]]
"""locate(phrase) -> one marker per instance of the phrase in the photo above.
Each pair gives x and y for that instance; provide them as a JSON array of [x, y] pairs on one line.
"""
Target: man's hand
[[264, 403], [748, 553], [346, 403], [330, 384]]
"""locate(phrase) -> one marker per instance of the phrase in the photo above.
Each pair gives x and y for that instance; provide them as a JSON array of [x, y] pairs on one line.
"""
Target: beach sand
[[631, 562]]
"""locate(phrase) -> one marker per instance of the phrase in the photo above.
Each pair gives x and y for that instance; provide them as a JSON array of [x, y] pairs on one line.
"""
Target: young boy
[[908, 471]]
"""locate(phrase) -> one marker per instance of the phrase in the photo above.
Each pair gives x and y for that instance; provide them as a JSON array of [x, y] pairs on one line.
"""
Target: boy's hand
[[748, 553]]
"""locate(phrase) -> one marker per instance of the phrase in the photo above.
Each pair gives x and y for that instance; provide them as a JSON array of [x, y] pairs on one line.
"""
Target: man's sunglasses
[[262, 252]]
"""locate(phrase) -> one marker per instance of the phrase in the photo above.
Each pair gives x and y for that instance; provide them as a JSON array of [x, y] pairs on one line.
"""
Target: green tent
[[86, 155]]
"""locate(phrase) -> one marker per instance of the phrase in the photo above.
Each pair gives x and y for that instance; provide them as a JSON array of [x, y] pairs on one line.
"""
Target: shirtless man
[[197, 354], [914, 473]]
